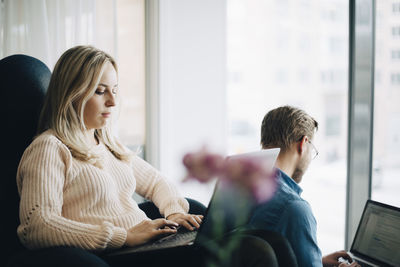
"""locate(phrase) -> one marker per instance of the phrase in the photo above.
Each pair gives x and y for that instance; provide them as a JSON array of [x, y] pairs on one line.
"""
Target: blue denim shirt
[[290, 215]]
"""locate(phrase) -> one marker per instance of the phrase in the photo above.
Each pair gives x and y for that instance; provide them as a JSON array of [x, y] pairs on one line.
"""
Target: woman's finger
[[159, 223], [187, 225], [198, 218], [165, 231], [193, 221]]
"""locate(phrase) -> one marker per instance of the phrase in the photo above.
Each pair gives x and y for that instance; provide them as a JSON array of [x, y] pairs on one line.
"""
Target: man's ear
[[301, 144]]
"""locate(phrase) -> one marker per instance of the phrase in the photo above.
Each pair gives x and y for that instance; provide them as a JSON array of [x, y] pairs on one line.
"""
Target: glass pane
[[125, 40], [292, 52], [131, 58], [386, 163], [122, 35]]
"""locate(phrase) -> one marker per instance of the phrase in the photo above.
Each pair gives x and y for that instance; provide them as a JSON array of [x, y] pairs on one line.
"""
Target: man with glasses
[[292, 130]]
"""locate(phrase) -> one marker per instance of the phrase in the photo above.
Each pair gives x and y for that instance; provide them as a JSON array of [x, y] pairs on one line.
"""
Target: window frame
[[361, 112]]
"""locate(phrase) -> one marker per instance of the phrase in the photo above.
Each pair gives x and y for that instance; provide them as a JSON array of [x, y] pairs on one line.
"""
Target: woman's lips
[[106, 114]]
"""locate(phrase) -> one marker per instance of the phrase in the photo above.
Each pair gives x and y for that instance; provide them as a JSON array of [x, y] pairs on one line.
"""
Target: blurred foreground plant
[[246, 181], [249, 173]]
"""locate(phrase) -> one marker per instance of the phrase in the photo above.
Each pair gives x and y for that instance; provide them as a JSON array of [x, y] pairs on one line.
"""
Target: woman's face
[[99, 107]]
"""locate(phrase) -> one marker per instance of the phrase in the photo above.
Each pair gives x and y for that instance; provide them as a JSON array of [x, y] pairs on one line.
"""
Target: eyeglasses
[[314, 151]]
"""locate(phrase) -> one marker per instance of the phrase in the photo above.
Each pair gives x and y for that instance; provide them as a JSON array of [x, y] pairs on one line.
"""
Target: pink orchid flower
[[203, 166], [252, 174]]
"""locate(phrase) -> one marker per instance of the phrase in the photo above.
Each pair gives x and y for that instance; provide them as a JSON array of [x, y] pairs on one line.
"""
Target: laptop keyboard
[[179, 239], [362, 263]]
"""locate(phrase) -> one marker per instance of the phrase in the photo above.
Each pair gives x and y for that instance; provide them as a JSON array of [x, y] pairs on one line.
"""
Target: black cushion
[[24, 81]]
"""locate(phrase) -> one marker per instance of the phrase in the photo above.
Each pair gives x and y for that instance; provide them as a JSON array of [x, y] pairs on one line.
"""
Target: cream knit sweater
[[67, 202]]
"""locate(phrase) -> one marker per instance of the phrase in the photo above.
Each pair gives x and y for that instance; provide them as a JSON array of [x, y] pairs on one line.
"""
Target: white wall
[[192, 87]]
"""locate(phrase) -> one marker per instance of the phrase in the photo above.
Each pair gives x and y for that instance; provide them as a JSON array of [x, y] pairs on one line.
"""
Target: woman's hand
[[189, 221], [149, 229]]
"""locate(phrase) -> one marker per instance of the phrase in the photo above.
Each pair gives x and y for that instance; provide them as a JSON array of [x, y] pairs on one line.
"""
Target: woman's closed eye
[[114, 91], [100, 92]]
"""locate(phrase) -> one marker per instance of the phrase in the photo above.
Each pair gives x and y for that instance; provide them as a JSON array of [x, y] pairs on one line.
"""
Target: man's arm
[[299, 226]]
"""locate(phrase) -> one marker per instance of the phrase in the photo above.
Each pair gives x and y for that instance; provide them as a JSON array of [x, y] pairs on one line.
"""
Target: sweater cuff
[[181, 206], [118, 238]]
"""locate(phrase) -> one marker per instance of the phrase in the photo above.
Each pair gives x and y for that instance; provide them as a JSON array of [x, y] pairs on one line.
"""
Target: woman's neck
[[91, 138]]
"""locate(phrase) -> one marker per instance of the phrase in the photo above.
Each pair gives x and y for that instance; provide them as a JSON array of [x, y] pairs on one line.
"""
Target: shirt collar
[[289, 182]]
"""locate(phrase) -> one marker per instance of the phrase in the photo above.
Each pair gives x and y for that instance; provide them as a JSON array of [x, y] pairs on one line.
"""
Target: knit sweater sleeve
[[152, 185], [41, 178]]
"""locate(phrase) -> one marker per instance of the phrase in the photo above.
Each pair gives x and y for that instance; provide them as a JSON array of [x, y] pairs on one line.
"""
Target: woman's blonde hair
[[73, 82]]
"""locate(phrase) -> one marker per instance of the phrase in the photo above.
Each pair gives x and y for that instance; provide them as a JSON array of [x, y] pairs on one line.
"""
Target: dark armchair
[[24, 81]]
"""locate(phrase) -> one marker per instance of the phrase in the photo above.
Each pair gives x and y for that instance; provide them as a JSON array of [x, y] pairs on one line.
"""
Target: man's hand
[[149, 229], [189, 221], [332, 260]]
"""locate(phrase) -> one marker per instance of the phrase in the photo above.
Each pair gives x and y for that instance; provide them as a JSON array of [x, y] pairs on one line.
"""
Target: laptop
[[229, 207], [377, 240]]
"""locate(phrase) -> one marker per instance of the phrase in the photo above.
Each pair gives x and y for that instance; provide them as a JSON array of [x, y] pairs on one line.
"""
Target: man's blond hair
[[73, 82], [286, 125]]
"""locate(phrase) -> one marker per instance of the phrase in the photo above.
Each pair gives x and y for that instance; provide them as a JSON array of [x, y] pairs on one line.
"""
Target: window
[[336, 45], [395, 54], [378, 77], [281, 76], [125, 41], [334, 77], [395, 78], [331, 12], [386, 142], [116, 27], [131, 60], [303, 76], [333, 115], [396, 8], [293, 62], [395, 31]]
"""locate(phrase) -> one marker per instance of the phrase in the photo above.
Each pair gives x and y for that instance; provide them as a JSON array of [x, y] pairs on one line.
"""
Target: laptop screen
[[378, 234]]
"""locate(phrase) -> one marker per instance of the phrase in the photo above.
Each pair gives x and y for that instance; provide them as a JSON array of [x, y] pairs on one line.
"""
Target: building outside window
[[386, 136], [395, 78], [396, 8], [288, 52], [131, 59], [395, 54], [395, 31]]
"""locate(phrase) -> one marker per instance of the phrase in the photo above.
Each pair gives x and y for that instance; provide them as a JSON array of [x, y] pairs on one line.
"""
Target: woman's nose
[[111, 100]]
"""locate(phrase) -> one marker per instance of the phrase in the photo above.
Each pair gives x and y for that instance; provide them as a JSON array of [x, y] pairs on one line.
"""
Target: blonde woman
[[76, 180]]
